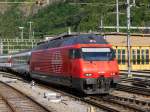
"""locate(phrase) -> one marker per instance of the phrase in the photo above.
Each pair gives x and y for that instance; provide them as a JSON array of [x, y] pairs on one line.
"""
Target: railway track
[[137, 82], [108, 103], [4, 106], [141, 71], [12, 76], [140, 78], [136, 74], [116, 103], [13, 100], [133, 89]]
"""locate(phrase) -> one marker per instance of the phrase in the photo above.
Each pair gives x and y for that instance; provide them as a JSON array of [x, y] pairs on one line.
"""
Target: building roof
[[121, 40]]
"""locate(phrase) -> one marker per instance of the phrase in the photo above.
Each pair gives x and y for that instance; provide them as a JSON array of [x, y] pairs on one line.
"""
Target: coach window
[[24, 58], [134, 56], [138, 56], [19, 59], [143, 56], [119, 56], [123, 57], [147, 56]]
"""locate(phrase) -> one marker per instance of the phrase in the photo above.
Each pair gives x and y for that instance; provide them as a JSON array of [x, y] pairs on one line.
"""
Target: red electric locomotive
[[84, 62]]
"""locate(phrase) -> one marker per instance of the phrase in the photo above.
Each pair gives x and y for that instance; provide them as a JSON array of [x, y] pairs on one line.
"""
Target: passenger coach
[[5, 62]]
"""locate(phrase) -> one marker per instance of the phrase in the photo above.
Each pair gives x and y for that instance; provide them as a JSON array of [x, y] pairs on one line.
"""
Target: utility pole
[[101, 27], [30, 29], [117, 15], [128, 39], [69, 30], [33, 33], [21, 28], [1, 47]]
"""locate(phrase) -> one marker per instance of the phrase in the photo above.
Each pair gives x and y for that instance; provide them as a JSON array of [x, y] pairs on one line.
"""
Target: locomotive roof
[[71, 40], [121, 40], [84, 39], [77, 39]]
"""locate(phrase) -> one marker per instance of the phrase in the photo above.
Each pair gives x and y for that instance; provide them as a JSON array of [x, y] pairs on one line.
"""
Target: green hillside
[[57, 17]]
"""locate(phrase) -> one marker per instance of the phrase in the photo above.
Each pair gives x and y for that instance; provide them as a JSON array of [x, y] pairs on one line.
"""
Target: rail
[[120, 103], [18, 101], [133, 89], [108, 102]]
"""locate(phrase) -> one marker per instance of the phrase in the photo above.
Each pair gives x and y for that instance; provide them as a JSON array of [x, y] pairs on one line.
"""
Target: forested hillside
[[58, 16]]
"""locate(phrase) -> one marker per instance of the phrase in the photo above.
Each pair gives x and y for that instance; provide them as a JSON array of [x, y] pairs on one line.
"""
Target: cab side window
[[74, 53], [40, 47]]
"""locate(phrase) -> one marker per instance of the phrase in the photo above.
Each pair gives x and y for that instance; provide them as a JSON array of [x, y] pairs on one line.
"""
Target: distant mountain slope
[[56, 17], [14, 15]]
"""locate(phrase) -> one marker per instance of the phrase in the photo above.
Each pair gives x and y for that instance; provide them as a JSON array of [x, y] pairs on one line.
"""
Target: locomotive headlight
[[113, 74], [88, 75]]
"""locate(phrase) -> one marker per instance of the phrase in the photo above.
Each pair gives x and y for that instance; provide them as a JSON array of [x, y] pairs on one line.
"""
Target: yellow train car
[[140, 50]]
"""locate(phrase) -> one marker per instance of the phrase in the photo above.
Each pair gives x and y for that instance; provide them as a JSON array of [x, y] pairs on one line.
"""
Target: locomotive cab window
[[98, 54], [74, 53], [41, 46]]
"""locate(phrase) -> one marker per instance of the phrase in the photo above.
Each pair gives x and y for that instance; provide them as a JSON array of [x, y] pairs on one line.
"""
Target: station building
[[140, 50]]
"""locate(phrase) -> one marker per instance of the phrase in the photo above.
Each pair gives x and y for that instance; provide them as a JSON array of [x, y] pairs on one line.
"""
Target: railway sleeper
[[126, 105], [146, 104]]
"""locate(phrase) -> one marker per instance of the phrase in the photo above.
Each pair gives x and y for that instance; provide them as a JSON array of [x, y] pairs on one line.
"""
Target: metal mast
[[117, 15], [21, 28], [30, 29], [128, 38], [101, 27]]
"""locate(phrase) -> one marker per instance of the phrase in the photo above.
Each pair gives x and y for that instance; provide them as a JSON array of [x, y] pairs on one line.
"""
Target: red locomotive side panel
[[52, 63]]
